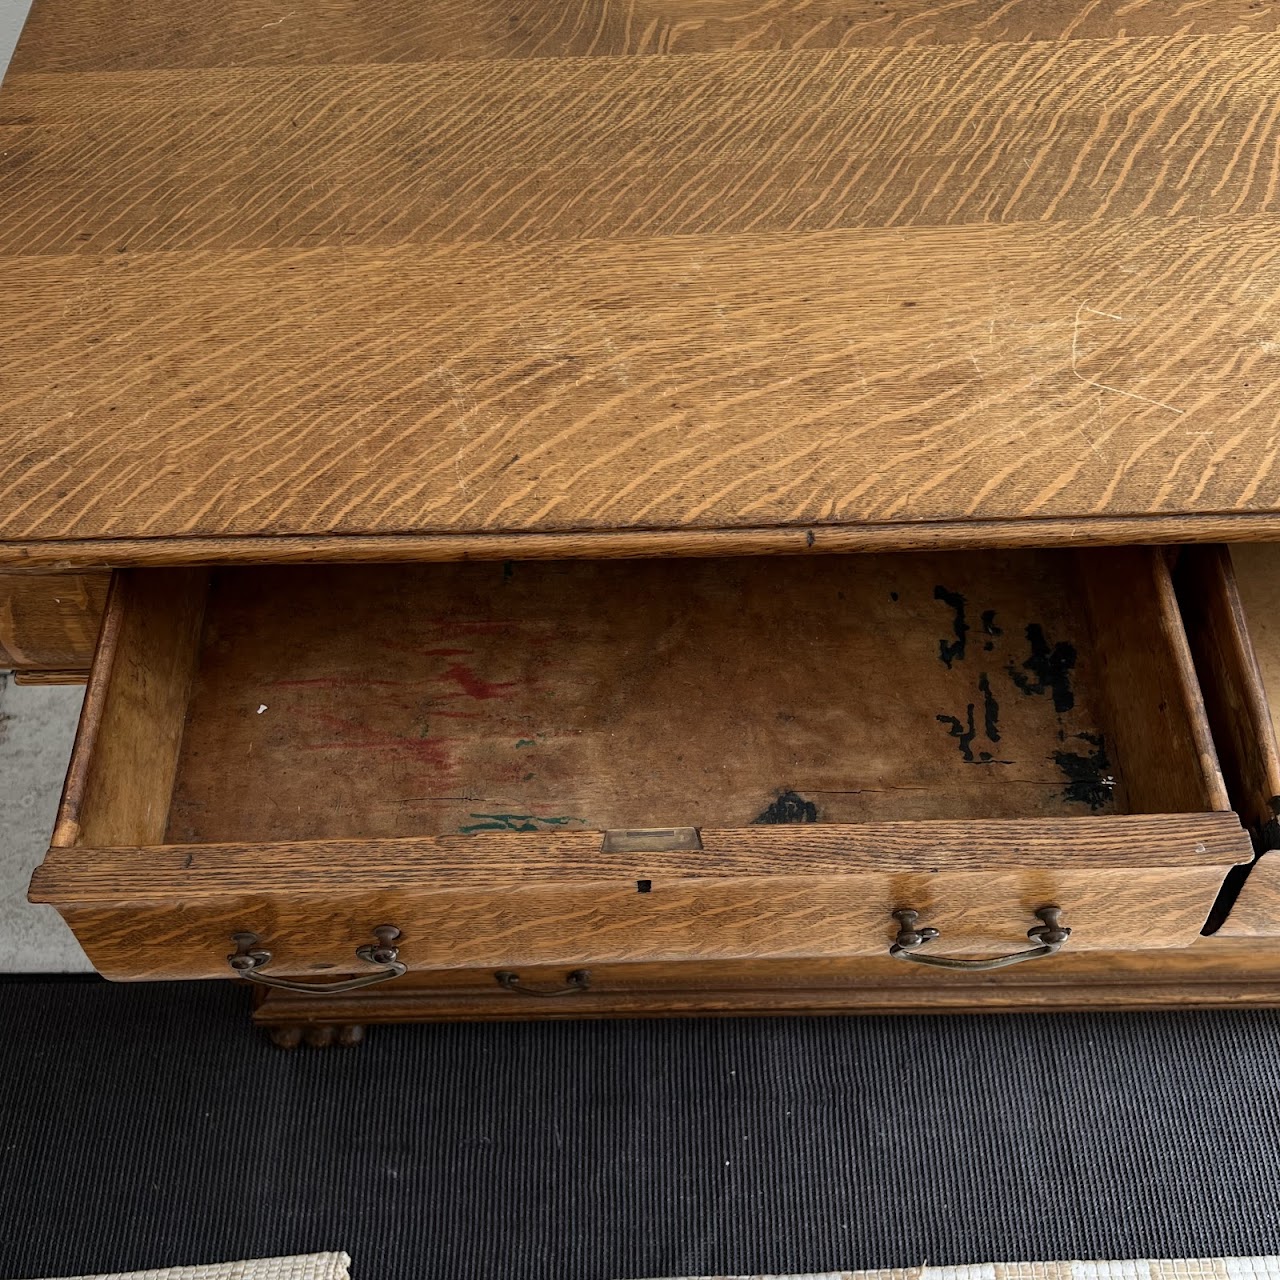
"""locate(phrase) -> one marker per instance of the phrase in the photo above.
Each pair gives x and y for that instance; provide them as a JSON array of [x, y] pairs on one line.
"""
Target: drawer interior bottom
[[385, 701]]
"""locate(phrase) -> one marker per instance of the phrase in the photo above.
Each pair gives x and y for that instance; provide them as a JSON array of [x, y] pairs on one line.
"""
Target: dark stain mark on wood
[[788, 808], [809, 538], [966, 730], [1050, 669], [990, 709], [476, 687], [508, 571], [893, 595], [950, 650], [989, 628], [523, 822], [1089, 779]]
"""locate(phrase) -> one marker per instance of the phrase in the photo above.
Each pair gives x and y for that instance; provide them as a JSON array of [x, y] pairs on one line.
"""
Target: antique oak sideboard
[[657, 508]]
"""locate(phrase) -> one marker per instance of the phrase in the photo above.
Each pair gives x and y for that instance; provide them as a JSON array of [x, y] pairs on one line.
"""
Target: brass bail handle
[[248, 960], [1050, 936], [578, 980]]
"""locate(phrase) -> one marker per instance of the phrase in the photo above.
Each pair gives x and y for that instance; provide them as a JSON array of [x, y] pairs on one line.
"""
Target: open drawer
[[576, 762]]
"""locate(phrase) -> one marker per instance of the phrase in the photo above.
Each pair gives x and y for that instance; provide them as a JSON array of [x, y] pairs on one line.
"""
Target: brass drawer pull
[[248, 960], [578, 980], [1049, 936]]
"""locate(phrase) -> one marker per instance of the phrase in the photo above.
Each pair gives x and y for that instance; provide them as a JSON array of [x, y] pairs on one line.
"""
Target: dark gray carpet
[[148, 1125]]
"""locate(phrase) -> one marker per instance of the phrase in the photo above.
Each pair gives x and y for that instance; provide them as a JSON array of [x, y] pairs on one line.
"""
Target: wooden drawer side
[[1171, 763], [120, 778], [1223, 639]]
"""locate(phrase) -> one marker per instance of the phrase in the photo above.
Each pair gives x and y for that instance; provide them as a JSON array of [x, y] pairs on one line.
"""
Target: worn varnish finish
[[635, 275], [49, 623], [967, 734]]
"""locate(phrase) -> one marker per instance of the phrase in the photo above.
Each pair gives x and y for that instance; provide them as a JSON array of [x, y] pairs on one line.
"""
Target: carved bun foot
[[322, 1035]]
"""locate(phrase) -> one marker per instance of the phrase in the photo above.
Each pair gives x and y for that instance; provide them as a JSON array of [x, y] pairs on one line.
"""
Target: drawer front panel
[[1210, 973], [1122, 883], [49, 621]]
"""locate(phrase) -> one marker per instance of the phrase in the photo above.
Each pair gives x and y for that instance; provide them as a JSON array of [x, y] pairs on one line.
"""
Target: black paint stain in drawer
[[1049, 669], [788, 808], [1088, 775]]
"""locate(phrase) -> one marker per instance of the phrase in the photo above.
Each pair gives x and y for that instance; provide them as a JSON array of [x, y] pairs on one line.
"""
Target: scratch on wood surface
[[1102, 386], [1087, 438], [464, 402]]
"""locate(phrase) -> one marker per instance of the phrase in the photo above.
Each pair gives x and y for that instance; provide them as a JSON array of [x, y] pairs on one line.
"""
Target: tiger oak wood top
[[382, 279]]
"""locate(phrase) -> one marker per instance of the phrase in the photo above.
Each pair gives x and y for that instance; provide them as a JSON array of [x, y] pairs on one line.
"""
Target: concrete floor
[[13, 13], [37, 726], [36, 729]]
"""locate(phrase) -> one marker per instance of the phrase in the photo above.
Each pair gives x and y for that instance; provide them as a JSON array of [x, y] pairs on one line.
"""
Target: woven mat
[[312, 1266], [1146, 1269]]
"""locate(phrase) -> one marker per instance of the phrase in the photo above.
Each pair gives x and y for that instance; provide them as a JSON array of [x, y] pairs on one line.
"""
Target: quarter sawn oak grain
[[470, 901], [88, 35], [627, 274]]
